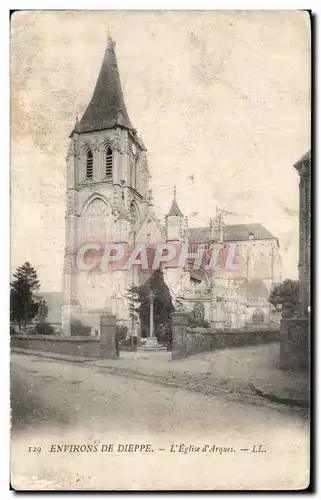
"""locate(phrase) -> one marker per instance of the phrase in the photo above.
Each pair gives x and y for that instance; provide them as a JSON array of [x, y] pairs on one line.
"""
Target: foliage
[[196, 316], [43, 328], [285, 296], [77, 327], [197, 322], [24, 305], [164, 334], [133, 302]]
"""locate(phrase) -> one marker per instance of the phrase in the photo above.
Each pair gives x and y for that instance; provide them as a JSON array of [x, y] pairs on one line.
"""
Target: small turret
[[174, 221], [174, 211]]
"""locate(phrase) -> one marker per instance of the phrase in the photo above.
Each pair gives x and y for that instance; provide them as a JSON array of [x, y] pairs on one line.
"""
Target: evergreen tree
[[24, 305], [133, 302]]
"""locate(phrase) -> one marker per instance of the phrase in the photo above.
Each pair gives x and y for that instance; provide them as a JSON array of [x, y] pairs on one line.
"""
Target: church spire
[[174, 211], [107, 107]]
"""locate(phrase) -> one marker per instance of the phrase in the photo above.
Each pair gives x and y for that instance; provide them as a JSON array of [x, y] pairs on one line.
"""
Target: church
[[109, 201]]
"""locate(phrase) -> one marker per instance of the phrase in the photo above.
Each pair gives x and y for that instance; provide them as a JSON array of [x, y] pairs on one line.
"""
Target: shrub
[[194, 322], [43, 328], [78, 328], [285, 297], [164, 335], [126, 342]]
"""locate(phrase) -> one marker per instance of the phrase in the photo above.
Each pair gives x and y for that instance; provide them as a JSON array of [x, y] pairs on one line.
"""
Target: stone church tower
[[107, 197]]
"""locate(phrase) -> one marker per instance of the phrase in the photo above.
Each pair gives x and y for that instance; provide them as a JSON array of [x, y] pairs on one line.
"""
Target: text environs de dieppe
[[139, 448]]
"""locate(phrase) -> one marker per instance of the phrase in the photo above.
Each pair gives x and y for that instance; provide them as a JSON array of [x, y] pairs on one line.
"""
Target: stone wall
[[188, 341], [87, 347], [294, 345]]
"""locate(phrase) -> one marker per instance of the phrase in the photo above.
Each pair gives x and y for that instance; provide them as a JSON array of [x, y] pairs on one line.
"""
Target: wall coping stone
[[108, 320], [295, 320], [60, 338], [180, 318], [229, 332]]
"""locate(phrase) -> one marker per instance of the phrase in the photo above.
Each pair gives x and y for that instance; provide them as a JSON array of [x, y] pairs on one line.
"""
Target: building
[[109, 200], [303, 166], [295, 331], [231, 299]]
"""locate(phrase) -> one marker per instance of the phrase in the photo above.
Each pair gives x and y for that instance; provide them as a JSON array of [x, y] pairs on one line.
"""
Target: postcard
[[160, 250]]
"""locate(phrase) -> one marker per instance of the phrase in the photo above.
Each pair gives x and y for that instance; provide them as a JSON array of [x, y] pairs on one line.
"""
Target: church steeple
[[107, 107]]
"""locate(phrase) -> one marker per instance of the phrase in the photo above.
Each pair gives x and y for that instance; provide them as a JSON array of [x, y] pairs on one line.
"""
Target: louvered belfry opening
[[109, 163], [89, 165]]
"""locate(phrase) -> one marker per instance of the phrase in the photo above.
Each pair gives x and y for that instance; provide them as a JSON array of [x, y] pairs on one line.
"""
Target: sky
[[221, 99]]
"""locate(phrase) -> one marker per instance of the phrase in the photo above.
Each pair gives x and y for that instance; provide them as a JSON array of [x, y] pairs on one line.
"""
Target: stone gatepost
[[179, 335], [295, 344], [108, 349]]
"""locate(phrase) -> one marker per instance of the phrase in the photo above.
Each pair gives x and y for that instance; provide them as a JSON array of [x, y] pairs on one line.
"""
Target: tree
[[133, 303], [42, 327], [285, 296], [24, 305], [163, 306]]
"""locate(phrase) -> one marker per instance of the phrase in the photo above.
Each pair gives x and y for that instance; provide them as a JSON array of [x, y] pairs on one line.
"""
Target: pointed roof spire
[[174, 211], [76, 127], [107, 106], [150, 197]]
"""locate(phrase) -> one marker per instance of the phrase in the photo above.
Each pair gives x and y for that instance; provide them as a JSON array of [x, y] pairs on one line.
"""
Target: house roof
[[198, 233], [305, 157], [304, 160], [235, 232], [241, 232], [107, 107]]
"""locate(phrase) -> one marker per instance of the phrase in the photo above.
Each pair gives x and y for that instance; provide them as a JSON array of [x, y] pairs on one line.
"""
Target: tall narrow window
[[89, 164], [109, 163]]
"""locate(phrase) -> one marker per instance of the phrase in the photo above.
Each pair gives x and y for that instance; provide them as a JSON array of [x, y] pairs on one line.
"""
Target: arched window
[[109, 162], [89, 164], [97, 222]]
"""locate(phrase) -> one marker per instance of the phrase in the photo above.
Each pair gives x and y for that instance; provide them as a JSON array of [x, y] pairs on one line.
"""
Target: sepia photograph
[[160, 236]]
